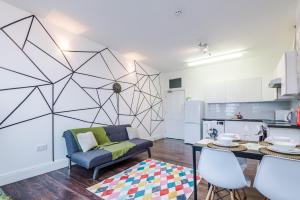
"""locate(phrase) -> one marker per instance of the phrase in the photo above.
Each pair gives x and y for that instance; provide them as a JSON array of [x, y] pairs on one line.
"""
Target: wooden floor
[[62, 185]]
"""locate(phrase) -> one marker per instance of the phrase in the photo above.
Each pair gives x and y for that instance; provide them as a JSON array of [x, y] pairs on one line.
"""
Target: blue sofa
[[99, 158]]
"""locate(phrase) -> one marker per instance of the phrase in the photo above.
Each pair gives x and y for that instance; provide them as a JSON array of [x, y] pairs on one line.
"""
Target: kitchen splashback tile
[[258, 110]]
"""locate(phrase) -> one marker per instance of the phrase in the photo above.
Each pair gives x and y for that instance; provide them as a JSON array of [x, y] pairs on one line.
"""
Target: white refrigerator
[[194, 112]]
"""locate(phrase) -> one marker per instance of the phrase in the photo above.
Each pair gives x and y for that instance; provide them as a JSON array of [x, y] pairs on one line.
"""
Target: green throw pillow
[[98, 132]]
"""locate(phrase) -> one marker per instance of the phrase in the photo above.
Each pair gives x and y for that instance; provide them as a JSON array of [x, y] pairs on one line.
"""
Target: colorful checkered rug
[[148, 180]]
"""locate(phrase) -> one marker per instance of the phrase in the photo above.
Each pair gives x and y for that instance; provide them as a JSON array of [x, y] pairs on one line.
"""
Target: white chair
[[221, 169], [278, 178]]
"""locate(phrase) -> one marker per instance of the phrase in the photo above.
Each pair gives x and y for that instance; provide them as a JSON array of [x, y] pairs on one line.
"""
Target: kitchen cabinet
[[285, 132], [216, 92], [287, 71], [244, 90], [242, 127]]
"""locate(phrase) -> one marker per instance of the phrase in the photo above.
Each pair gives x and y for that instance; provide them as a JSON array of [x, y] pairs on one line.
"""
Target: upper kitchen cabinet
[[287, 69], [244, 90], [215, 92], [286, 78]]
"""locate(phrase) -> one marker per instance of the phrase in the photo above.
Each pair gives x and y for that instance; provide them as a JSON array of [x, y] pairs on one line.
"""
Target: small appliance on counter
[[238, 116], [213, 128], [263, 132], [292, 117], [298, 116]]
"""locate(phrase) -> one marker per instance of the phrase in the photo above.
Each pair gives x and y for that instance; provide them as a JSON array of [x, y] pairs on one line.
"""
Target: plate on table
[[274, 139], [294, 151], [232, 144]]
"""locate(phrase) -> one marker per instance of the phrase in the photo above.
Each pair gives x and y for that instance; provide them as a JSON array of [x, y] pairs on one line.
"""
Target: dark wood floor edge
[[158, 140], [66, 188], [166, 150]]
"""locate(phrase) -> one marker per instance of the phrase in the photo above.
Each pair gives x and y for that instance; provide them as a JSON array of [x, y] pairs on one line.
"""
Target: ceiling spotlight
[[178, 12], [203, 47]]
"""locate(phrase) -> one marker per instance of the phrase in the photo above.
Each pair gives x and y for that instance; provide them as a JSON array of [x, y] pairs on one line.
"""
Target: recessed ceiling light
[[61, 20], [134, 56]]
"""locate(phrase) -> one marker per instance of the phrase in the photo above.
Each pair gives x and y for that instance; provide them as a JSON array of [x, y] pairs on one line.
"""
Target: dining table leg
[[195, 173]]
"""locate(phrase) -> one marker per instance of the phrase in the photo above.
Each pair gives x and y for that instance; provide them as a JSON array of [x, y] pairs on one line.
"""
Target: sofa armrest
[[71, 143]]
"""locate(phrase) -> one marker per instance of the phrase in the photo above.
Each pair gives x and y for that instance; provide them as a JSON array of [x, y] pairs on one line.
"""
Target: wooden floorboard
[[61, 184]]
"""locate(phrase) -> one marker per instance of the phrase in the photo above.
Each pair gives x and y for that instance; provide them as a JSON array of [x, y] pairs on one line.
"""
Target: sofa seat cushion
[[92, 158], [98, 157], [140, 144]]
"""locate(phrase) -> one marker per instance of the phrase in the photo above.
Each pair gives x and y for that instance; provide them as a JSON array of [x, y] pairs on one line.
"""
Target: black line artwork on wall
[[52, 75]]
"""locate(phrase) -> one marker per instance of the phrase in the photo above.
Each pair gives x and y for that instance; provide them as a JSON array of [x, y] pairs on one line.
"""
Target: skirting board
[[29, 172]]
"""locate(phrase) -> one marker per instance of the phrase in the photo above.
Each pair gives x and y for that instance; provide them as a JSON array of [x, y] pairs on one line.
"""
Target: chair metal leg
[[209, 193], [237, 194], [232, 195], [70, 164], [244, 194], [149, 152], [213, 193]]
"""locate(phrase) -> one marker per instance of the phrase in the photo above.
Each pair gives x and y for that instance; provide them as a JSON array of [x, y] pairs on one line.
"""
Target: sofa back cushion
[[117, 133]]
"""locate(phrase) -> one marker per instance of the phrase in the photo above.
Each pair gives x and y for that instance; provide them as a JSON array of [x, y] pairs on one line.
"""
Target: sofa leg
[[70, 164], [96, 172], [149, 152]]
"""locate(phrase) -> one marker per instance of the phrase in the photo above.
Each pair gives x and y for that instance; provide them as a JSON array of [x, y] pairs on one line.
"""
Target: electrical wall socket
[[40, 148]]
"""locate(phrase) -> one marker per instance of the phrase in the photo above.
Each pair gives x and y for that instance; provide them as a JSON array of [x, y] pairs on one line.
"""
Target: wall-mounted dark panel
[[175, 83]]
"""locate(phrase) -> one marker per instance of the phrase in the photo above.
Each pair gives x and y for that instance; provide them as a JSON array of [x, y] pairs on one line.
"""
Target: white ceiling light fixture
[[216, 58]]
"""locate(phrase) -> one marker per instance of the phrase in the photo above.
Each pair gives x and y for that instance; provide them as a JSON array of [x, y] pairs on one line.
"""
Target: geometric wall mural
[[66, 83]]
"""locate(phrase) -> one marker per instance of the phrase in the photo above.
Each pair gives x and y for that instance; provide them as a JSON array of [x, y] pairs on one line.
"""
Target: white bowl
[[225, 140], [285, 146], [231, 135]]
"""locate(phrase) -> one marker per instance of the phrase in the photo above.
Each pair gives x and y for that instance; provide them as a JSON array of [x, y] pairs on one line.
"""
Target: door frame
[[165, 101]]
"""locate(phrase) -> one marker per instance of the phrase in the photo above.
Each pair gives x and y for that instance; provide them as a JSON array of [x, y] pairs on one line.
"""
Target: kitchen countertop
[[270, 123], [281, 125], [229, 119]]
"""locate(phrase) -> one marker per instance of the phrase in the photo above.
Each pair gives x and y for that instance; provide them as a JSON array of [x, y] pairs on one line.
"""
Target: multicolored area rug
[[148, 180]]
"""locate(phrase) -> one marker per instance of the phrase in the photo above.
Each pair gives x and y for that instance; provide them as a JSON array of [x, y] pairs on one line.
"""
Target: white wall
[[298, 36], [38, 71]]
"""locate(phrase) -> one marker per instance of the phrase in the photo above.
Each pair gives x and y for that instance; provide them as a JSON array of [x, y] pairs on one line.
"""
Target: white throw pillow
[[87, 141], [132, 133]]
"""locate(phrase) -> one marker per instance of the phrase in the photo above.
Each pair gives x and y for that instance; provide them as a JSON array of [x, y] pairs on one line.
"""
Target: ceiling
[[151, 32]]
